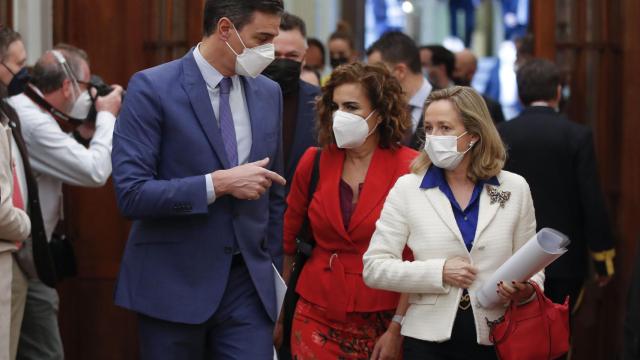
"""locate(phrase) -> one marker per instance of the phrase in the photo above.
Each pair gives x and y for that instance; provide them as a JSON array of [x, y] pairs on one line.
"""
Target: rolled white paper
[[540, 251]]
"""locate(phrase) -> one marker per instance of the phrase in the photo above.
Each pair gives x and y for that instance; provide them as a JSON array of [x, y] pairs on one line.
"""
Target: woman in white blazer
[[462, 216]]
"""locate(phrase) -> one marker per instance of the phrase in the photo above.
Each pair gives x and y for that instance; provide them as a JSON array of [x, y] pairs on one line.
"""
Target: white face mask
[[252, 61], [443, 150], [81, 106], [351, 130]]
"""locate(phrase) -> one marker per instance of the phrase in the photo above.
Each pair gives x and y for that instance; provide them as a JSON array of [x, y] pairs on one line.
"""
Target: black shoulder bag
[[306, 244]]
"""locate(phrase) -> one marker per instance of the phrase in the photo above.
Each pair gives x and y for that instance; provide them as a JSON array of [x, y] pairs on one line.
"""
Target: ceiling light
[[407, 7]]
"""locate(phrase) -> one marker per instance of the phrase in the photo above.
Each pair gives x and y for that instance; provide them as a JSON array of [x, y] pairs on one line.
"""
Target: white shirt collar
[[417, 100], [540, 103], [211, 76]]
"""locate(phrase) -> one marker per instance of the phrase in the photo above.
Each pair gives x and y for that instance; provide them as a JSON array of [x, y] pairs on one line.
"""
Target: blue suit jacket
[[305, 135], [178, 256]]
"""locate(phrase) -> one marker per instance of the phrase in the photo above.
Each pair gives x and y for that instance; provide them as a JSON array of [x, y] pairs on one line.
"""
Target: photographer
[[58, 98]]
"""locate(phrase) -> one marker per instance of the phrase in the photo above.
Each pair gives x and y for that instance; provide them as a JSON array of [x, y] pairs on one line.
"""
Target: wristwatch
[[398, 319]]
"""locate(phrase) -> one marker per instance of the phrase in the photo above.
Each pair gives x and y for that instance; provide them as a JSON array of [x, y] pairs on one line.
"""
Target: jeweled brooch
[[498, 196]]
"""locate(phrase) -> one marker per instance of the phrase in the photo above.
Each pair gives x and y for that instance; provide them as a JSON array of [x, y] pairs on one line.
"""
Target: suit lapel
[[252, 98], [331, 164], [196, 89], [486, 213], [417, 140], [442, 206], [378, 180]]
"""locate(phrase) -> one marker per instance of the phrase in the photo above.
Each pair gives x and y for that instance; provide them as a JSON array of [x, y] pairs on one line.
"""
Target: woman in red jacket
[[362, 117]]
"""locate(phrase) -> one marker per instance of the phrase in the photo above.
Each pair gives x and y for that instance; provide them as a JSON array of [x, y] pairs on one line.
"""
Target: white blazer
[[423, 220], [14, 222]]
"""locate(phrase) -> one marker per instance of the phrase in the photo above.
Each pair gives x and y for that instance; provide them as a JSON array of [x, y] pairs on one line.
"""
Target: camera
[[102, 89]]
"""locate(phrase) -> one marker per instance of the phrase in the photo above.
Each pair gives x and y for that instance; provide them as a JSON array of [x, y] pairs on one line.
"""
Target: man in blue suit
[[298, 122], [196, 156]]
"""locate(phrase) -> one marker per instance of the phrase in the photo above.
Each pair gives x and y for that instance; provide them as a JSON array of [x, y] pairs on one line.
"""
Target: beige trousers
[[19, 287], [5, 303]]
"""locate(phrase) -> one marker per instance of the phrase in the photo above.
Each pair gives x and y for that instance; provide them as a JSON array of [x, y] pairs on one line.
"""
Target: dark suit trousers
[[239, 329], [463, 344]]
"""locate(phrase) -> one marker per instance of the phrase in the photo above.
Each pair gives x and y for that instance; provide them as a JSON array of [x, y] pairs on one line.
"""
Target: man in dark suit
[[556, 156], [298, 122], [196, 156], [465, 69], [399, 53]]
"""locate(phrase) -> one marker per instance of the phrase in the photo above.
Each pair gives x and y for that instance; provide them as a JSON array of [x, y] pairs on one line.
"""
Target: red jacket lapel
[[380, 176], [331, 165]]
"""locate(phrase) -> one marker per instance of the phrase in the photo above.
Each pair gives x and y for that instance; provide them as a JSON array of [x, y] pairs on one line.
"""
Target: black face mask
[[461, 82], [335, 62], [286, 73], [18, 82]]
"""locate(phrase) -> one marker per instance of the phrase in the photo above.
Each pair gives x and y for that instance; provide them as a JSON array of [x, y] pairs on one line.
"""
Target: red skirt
[[314, 337]]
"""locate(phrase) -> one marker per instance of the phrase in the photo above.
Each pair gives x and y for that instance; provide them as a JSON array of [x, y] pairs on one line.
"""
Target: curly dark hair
[[384, 93]]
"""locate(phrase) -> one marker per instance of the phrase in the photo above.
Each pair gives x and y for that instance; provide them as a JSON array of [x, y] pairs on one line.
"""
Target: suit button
[[228, 250], [481, 247]]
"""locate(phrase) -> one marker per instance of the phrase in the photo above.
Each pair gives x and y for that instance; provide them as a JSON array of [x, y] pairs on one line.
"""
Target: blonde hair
[[489, 154]]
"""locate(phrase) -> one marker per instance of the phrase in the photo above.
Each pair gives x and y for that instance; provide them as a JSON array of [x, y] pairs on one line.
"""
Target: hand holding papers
[[541, 250]]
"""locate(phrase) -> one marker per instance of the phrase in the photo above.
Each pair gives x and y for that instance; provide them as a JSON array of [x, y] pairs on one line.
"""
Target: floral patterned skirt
[[314, 337]]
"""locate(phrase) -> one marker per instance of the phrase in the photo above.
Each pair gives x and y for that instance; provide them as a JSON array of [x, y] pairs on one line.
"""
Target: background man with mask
[[399, 53], [437, 65], [196, 156], [13, 73], [15, 225], [465, 69], [298, 120], [60, 77]]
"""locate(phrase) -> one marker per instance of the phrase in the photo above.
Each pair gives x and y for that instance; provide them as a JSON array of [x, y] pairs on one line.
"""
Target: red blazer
[[332, 278]]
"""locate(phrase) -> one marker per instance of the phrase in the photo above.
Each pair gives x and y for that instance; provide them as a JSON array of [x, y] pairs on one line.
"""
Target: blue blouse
[[466, 219]]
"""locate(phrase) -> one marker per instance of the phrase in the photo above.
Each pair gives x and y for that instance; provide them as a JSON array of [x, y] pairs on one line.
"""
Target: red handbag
[[538, 330]]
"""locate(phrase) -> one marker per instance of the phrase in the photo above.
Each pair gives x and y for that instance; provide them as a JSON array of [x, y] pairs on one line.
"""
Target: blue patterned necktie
[[227, 129]]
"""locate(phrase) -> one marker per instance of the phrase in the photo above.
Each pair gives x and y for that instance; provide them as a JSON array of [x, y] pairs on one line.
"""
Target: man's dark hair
[[47, 74], [317, 43], [538, 80], [440, 55], [289, 21], [240, 12], [7, 37], [396, 47]]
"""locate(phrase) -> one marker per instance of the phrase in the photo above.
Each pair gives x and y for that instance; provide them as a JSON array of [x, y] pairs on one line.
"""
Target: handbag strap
[[305, 238], [540, 297]]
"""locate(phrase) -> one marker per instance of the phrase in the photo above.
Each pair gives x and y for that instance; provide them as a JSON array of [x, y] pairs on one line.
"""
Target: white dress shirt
[[417, 103], [241, 121], [57, 158]]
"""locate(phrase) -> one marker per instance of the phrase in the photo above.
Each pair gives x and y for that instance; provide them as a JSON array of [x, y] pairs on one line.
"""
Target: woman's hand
[[514, 291], [389, 344], [459, 273]]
